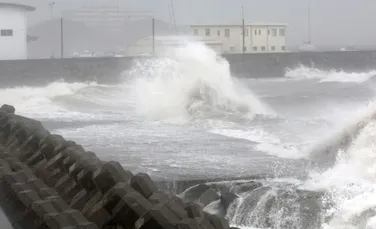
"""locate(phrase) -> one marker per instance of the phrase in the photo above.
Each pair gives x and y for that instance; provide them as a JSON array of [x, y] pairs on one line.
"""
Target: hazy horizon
[[334, 22]]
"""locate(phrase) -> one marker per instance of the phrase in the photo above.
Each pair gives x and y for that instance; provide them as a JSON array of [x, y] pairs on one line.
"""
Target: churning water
[[309, 136]]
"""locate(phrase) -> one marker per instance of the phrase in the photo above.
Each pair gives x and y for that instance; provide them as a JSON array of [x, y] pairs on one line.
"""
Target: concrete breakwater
[[49, 182], [108, 69]]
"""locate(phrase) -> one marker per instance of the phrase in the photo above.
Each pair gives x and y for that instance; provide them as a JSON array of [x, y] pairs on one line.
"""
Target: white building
[[13, 28], [163, 44], [261, 37]]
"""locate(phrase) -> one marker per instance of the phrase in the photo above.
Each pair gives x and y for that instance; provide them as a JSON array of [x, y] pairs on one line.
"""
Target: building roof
[[246, 24], [17, 5]]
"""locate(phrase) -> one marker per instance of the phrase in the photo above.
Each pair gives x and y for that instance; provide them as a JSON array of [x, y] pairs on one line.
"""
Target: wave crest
[[191, 81], [304, 73]]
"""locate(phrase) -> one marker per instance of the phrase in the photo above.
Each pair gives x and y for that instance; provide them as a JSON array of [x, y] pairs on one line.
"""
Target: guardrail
[[49, 182]]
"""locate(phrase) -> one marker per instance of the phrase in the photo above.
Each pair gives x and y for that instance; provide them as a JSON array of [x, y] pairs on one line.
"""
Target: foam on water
[[190, 82], [265, 142], [30, 100], [303, 72], [351, 183]]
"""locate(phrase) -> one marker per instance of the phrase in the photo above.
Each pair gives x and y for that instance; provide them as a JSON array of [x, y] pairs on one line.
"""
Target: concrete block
[[84, 163], [143, 184], [188, 224], [94, 198], [17, 177], [71, 190], [130, 208], [98, 215], [38, 166], [5, 132], [56, 220], [47, 192], [75, 217], [80, 199], [174, 203], [8, 109], [114, 196], [43, 207], [85, 177], [63, 182], [53, 145], [58, 203], [32, 143], [34, 159], [217, 222], [159, 217], [28, 197], [207, 197], [194, 211], [88, 226], [110, 174], [32, 184]]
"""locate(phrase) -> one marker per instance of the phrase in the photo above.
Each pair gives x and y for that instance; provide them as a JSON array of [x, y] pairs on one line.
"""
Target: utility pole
[[243, 29], [118, 5], [153, 32], [309, 23], [173, 15], [51, 5], [62, 37]]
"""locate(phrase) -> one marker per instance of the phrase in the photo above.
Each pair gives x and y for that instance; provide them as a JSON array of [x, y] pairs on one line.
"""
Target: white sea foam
[[303, 72]]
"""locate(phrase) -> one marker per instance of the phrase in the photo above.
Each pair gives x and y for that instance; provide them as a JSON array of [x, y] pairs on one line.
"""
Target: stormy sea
[[294, 152]]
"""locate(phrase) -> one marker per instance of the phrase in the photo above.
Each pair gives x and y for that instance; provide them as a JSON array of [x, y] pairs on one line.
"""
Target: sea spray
[[191, 81]]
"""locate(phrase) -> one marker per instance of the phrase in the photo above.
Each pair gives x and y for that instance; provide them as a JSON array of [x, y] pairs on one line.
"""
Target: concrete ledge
[[48, 182]]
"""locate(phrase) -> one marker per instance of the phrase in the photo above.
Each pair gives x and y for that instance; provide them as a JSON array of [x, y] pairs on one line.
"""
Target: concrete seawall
[[49, 182], [108, 70]]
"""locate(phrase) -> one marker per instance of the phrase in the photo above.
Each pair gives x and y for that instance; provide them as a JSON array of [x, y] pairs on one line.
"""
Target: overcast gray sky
[[333, 21]]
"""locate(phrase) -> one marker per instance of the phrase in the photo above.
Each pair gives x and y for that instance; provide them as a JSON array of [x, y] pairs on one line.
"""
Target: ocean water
[[309, 136]]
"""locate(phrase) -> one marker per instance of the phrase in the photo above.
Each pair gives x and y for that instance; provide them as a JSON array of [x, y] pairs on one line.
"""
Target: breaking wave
[[191, 81], [303, 72], [28, 100]]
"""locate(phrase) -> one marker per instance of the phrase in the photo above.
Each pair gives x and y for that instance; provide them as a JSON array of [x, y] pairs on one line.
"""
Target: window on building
[[255, 48], [256, 32], [268, 32], [207, 32], [227, 32], [274, 32], [6, 32], [283, 48], [273, 48], [218, 33], [262, 48], [245, 48], [259, 31], [282, 32], [195, 32], [232, 49]]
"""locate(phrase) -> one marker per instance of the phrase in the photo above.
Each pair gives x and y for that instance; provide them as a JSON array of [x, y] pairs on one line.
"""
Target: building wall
[[268, 38], [258, 38], [15, 46], [231, 43]]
